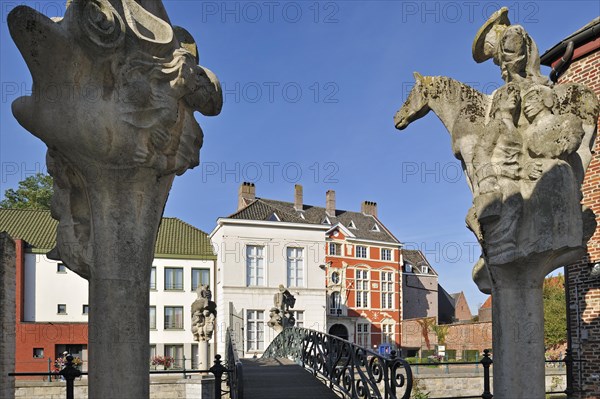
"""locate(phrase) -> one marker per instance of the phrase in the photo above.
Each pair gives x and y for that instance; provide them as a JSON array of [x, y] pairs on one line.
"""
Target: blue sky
[[310, 92]]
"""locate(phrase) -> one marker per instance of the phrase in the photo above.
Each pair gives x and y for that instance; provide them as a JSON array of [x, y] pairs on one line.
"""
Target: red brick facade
[[369, 288], [584, 290], [458, 338], [41, 336]]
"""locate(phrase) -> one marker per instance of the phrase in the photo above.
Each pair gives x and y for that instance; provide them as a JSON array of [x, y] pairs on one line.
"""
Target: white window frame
[[255, 265], [153, 278], [171, 283], [362, 288], [176, 351], [255, 330], [363, 335], [386, 254], [359, 251], [335, 302], [200, 271], [388, 333], [335, 249], [36, 353], [175, 324], [387, 289], [152, 325], [299, 316], [295, 266]]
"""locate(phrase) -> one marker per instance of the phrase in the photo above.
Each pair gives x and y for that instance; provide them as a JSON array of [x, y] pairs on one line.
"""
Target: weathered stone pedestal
[[118, 284], [203, 355]]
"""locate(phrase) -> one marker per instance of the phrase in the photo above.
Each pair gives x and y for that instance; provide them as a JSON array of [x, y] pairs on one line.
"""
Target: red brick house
[[581, 54], [364, 276]]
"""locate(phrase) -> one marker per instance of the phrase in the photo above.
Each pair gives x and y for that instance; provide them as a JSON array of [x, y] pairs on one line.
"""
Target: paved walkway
[[281, 378]]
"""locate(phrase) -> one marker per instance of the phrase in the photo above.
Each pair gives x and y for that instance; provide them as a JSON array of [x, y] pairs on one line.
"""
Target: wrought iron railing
[[234, 365], [354, 371]]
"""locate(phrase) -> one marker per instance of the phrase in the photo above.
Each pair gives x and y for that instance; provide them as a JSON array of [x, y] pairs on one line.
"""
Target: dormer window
[[407, 267], [375, 227], [352, 225], [326, 221], [425, 269], [274, 218]]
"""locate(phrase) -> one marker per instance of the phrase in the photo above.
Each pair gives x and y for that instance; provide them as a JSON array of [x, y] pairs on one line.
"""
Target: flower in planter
[[157, 360]]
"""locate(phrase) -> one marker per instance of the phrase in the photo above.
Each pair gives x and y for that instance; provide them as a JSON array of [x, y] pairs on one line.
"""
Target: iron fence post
[[218, 369], [184, 375], [417, 364], [446, 361], [70, 373], [49, 370], [569, 363], [486, 362]]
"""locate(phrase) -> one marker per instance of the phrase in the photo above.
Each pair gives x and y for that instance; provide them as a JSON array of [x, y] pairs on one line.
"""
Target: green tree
[[35, 192], [555, 312]]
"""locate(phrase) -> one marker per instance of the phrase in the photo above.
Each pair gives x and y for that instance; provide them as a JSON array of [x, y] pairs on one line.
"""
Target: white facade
[[50, 289], [290, 254]]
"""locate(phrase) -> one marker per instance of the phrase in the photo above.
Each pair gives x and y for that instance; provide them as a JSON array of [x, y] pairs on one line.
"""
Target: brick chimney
[[330, 203], [369, 208], [298, 198], [246, 194]]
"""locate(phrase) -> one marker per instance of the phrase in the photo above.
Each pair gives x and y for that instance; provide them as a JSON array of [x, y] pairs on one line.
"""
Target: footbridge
[[304, 364]]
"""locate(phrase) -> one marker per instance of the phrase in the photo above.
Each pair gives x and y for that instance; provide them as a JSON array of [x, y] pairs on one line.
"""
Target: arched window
[[335, 303]]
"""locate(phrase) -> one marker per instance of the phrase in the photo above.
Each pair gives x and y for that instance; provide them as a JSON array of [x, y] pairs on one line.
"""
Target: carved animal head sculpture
[[416, 105], [125, 81]]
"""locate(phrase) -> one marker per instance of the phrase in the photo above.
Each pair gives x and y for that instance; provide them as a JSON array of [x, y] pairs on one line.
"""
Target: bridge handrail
[[356, 371], [236, 373]]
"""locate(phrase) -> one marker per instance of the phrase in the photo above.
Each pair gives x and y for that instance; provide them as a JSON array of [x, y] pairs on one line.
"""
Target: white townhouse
[[52, 301], [259, 247]]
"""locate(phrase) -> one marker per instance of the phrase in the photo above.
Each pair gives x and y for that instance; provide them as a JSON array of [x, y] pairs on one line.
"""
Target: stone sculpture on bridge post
[[115, 87], [280, 315], [524, 150], [204, 312]]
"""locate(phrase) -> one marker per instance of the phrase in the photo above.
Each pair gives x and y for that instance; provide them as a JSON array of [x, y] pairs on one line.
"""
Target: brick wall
[[583, 289], [7, 315], [461, 336]]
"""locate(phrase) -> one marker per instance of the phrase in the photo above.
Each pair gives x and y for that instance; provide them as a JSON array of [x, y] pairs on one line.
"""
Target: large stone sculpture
[[280, 315], [524, 150], [115, 87], [204, 312]]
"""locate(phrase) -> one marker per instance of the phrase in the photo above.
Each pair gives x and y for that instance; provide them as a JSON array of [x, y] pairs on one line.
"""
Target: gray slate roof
[[263, 209], [416, 258]]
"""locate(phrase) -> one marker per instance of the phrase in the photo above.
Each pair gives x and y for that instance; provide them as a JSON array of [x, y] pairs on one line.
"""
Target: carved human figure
[[284, 300], [203, 314], [280, 315], [510, 47], [499, 203], [555, 198]]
